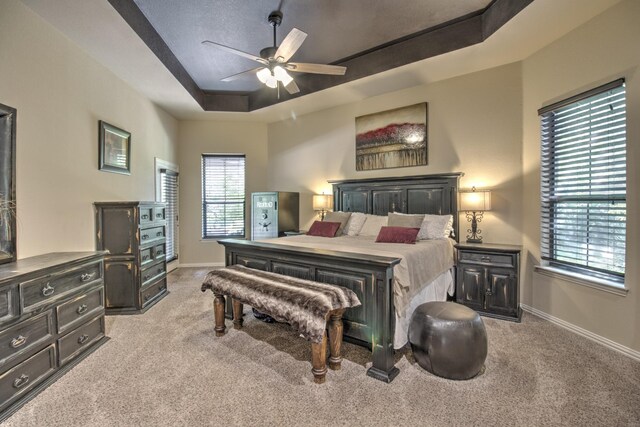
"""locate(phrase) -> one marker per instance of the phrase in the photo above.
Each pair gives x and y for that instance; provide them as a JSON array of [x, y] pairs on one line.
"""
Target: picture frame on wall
[[392, 139], [7, 185], [114, 149]]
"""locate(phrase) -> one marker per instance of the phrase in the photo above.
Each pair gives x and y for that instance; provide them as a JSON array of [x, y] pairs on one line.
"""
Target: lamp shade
[[322, 202], [475, 201]]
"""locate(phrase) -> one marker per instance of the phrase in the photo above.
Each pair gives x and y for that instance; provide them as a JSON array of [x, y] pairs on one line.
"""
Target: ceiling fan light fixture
[[271, 81], [263, 75], [280, 73]]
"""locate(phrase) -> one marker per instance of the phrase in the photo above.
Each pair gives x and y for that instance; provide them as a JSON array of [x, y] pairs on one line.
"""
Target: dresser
[[488, 279], [51, 317], [135, 268]]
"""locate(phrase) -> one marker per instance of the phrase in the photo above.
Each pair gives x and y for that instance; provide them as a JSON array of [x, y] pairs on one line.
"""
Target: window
[[223, 200], [583, 183], [169, 196]]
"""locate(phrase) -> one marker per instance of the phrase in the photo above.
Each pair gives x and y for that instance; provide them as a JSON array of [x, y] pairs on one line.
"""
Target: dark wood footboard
[[371, 277]]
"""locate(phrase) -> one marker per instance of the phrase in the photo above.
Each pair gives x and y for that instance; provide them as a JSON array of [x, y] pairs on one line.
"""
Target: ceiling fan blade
[[300, 67], [292, 87], [236, 51], [290, 44], [242, 74]]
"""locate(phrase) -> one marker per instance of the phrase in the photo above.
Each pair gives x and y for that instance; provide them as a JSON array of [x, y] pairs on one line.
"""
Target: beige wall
[[201, 137], [474, 127], [60, 94], [598, 52]]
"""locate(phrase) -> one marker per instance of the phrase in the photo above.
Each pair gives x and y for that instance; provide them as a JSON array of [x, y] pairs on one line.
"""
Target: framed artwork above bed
[[392, 139]]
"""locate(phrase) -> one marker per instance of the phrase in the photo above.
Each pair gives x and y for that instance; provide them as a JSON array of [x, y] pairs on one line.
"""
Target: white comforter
[[420, 263]]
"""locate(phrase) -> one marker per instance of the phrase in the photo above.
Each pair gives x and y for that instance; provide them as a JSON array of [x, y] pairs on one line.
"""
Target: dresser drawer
[[22, 337], [8, 303], [159, 213], [150, 293], [159, 252], [146, 214], [23, 377], [149, 274], [150, 234], [491, 258], [38, 292], [74, 312], [76, 341], [146, 256]]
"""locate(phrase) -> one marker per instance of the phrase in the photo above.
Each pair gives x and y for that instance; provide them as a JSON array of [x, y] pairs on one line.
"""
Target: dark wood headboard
[[420, 194]]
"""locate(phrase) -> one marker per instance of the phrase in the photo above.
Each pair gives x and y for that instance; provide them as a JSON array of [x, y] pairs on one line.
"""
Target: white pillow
[[372, 225], [436, 227], [355, 223]]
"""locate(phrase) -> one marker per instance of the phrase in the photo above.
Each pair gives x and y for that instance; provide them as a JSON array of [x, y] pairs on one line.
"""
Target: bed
[[376, 324]]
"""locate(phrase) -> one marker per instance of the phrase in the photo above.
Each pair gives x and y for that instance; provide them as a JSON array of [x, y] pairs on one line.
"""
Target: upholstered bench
[[304, 304]]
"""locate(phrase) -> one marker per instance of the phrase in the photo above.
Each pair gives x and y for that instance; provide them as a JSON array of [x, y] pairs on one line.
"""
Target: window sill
[[584, 280], [215, 239]]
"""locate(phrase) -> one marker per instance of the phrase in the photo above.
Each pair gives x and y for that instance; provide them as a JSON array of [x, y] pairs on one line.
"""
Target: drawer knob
[[81, 309], [159, 233], [22, 380], [146, 257], [485, 258], [86, 277], [146, 277], [83, 339], [159, 253], [146, 297], [158, 215], [145, 216], [48, 290], [144, 237], [18, 341]]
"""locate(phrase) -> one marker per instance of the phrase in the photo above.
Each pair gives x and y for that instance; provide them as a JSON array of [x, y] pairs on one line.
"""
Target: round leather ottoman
[[448, 340]]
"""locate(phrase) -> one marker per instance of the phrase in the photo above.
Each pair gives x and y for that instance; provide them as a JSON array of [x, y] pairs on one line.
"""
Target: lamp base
[[474, 240]]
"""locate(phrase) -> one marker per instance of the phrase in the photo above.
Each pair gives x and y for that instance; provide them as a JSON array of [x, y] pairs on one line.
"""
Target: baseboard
[[634, 354], [208, 264]]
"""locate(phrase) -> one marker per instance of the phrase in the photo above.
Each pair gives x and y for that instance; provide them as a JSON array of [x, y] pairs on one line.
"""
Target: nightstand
[[488, 279], [295, 233]]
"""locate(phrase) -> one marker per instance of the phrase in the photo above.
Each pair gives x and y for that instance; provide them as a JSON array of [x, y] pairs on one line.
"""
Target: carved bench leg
[[237, 314], [319, 360], [335, 339], [218, 312]]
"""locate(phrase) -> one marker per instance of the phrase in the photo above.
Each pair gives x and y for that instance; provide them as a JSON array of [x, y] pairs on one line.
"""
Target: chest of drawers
[[135, 268], [51, 317]]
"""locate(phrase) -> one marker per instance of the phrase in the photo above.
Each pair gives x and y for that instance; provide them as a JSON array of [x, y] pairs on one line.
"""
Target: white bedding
[[422, 275]]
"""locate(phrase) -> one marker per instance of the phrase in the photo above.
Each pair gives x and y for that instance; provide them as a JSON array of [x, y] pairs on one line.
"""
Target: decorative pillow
[[404, 220], [341, 217], [355, 223], [323, 229], [397, 235], [436, 227], [372, 225]]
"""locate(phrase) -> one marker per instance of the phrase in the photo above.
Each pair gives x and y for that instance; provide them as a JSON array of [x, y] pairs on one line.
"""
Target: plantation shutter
[[169, 196], [223, 195], [583, 182]]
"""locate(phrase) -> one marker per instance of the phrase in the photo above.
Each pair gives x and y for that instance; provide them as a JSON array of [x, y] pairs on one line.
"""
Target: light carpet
[[166, 368]]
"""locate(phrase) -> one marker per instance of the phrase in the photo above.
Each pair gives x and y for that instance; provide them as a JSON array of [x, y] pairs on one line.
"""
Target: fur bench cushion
[[304, 304]]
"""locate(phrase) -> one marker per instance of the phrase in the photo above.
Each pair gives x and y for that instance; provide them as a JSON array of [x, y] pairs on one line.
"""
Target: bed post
[[384, 319]]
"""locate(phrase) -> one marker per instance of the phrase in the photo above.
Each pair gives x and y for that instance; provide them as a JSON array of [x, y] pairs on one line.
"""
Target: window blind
[[169, 196], [223, 195], [583, 182]]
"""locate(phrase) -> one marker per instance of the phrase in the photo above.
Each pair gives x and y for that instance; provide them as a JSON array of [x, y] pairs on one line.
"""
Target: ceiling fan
[[274, 59]]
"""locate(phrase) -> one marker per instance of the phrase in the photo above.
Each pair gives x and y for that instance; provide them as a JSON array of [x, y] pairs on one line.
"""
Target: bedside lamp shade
[[322, 203], [475, 203]]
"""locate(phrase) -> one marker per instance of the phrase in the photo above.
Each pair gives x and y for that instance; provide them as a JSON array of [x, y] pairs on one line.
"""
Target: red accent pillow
[[397, 235], [324, 229]]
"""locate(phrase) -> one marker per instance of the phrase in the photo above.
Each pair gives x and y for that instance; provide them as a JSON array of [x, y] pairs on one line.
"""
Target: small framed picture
[[114, 149]]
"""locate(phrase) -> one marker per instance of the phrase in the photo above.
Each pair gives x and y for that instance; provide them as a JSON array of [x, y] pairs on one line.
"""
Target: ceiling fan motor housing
[[275, 18], [268, 52]]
